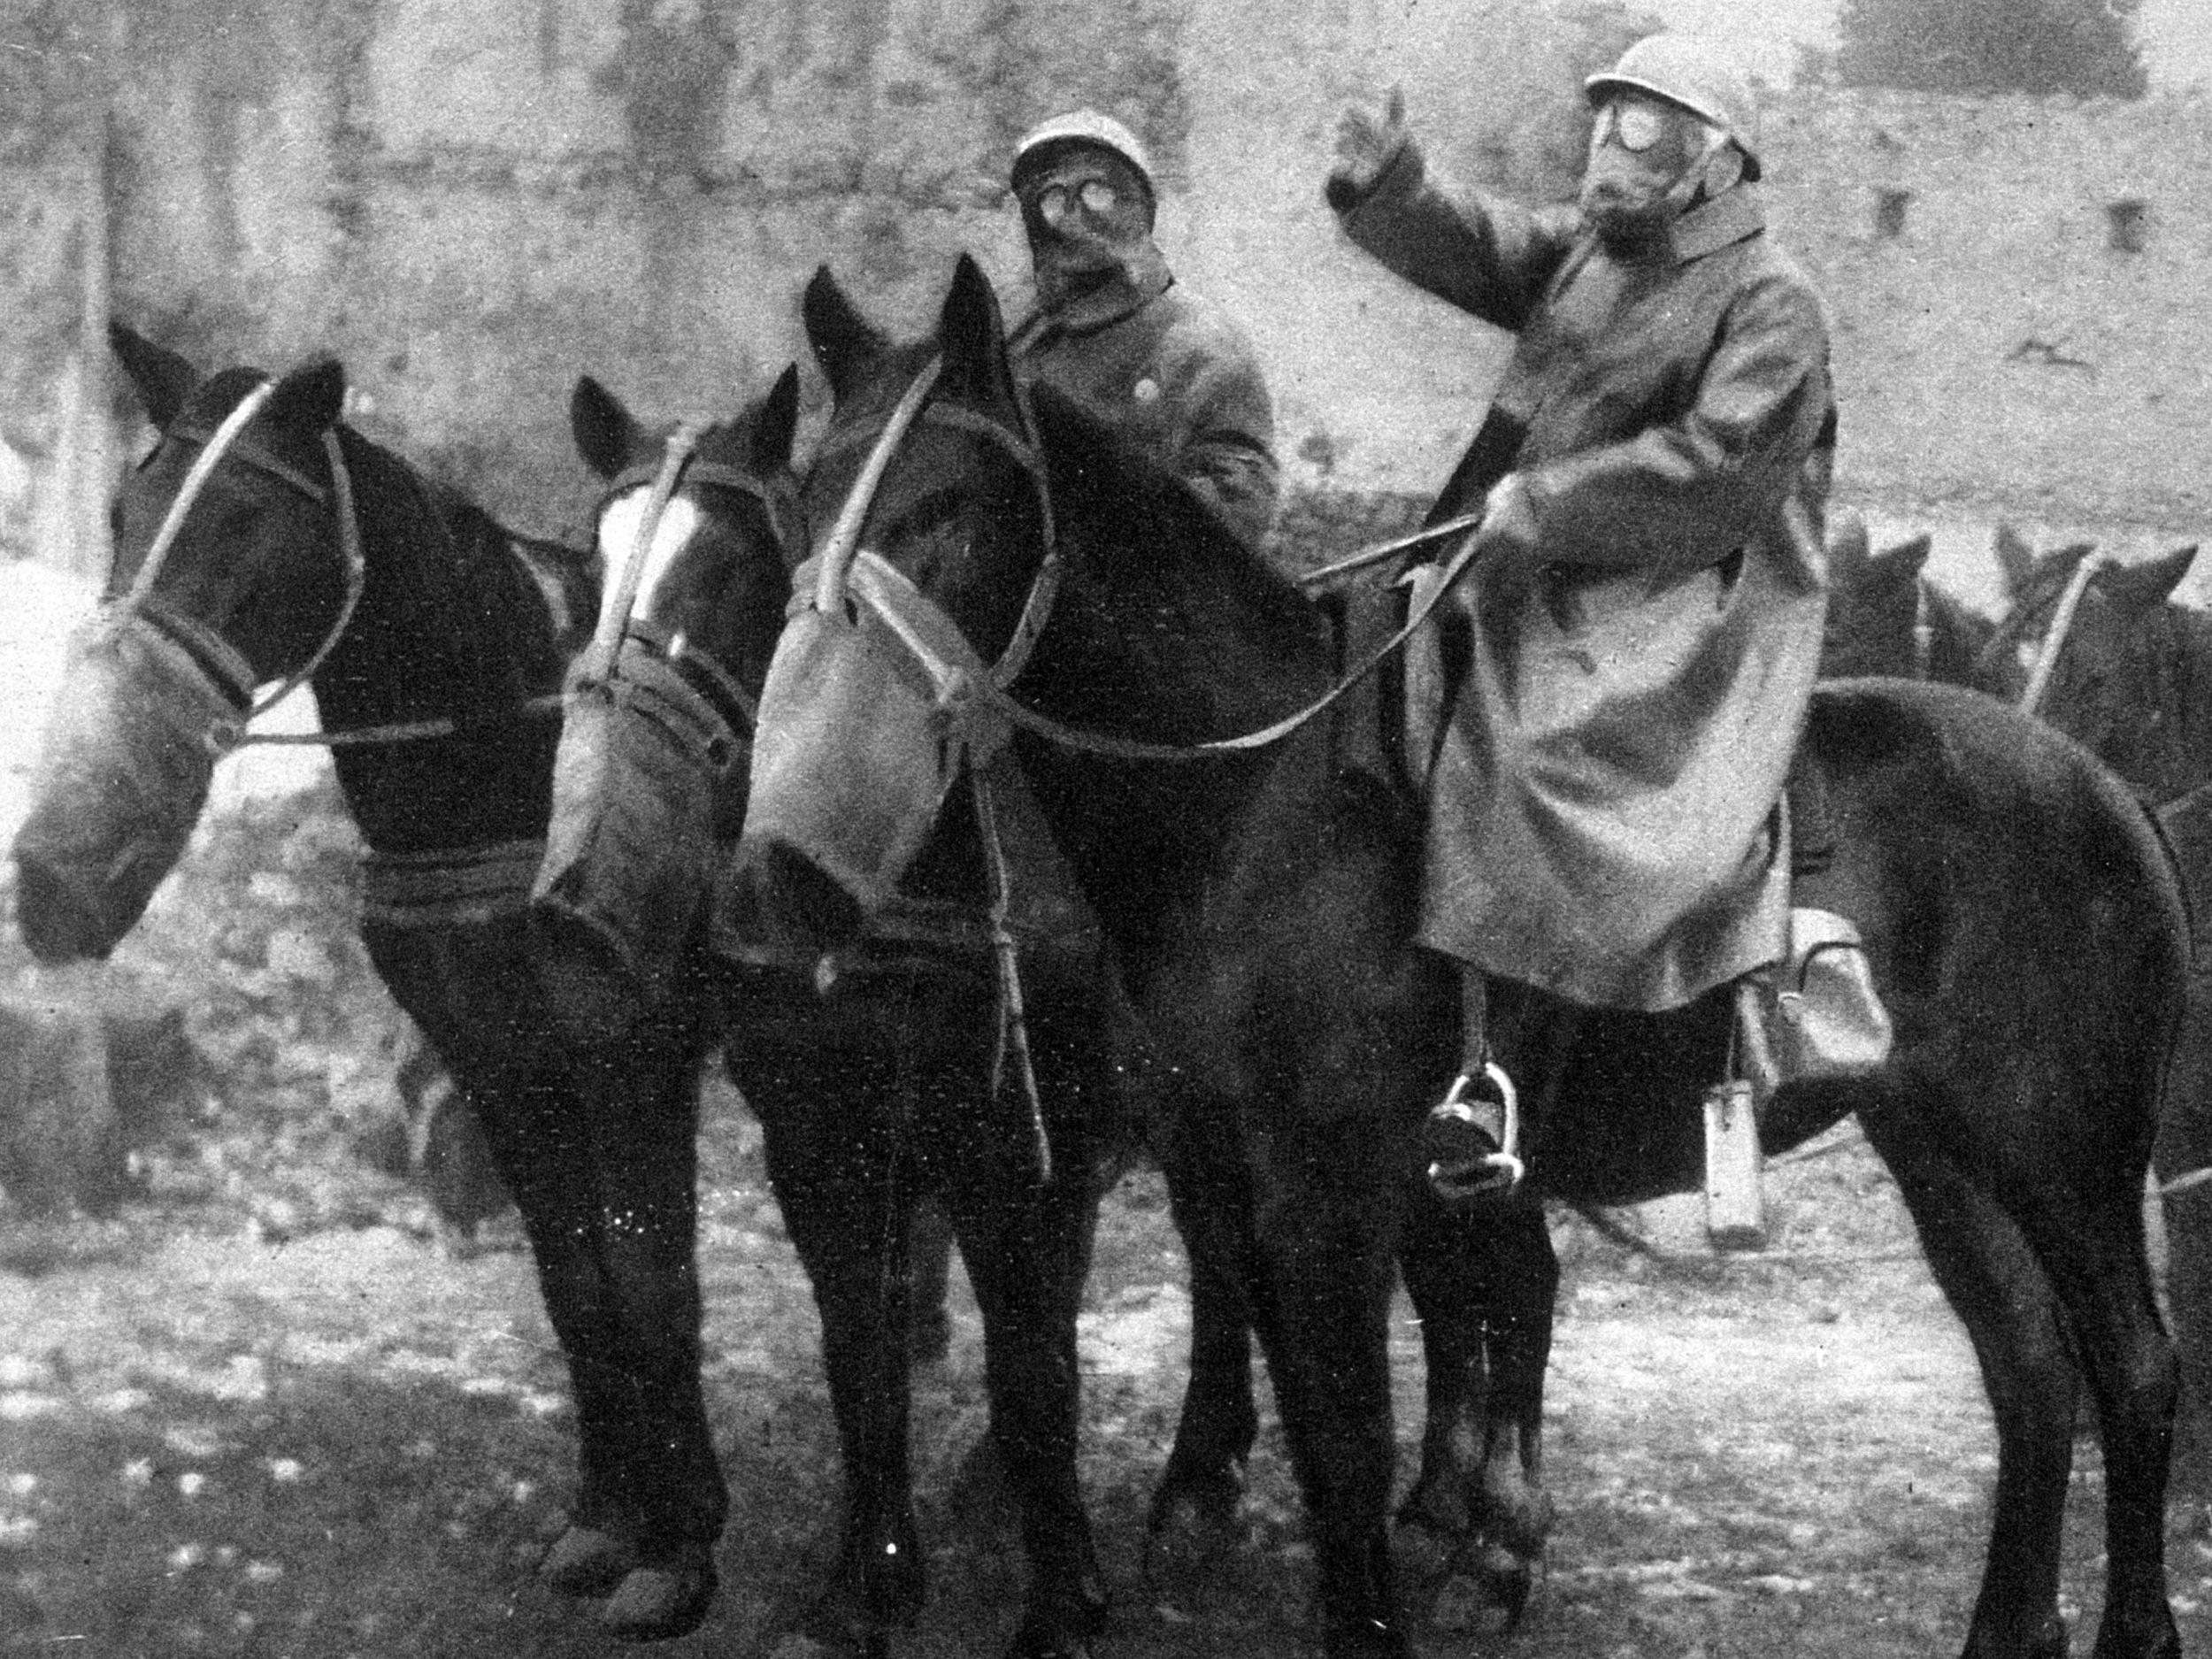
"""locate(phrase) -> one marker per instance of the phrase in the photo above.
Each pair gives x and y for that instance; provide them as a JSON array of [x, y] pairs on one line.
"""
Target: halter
[[228, 663], [679, 464], [842, 546], [839, 552]]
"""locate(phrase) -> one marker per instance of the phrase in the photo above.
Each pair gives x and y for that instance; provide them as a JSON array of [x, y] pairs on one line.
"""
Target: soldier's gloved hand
[[1365, 147]]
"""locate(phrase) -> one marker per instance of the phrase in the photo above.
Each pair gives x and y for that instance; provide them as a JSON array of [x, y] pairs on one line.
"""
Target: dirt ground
[[216, 1442]]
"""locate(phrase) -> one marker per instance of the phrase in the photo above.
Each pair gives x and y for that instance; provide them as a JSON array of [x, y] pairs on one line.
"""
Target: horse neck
[[448, 627], [1168, 645]]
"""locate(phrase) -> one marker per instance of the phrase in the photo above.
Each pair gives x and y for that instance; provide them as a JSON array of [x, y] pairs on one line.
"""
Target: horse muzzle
[[648, 788], [123, 773], [867, 719]]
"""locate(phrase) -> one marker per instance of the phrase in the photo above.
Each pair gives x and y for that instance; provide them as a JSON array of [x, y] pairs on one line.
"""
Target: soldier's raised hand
[[1366, 145]]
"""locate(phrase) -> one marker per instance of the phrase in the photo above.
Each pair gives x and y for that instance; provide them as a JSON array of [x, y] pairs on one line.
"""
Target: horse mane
[[475, 625], [1200, 608]]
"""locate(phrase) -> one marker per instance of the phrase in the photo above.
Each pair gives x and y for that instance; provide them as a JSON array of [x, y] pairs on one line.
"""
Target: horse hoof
[[1425, 1547], [1193, 1523], [1041, 1639], [1506, 1580], [585, 1562], [658, 1603]]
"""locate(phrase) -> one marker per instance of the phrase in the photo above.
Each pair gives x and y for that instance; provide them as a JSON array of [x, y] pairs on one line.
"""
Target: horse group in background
[[1047, 943]]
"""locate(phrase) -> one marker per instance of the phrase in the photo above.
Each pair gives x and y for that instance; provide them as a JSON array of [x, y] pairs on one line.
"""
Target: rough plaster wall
[[471, 203], [2001, 352]]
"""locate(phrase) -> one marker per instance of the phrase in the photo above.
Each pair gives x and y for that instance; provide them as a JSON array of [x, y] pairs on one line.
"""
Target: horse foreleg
[[1993, 1281], [532, 1131], [846, 1200], [1195, 1507], [1026, 1249], [1483, 1282], [643, 1163], [1324, 1238]]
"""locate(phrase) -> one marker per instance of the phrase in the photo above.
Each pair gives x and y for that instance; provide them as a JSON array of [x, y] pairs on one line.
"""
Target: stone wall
[[471, 203]]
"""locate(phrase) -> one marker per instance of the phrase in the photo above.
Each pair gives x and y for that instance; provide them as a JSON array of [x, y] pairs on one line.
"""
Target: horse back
[[2024, 919]]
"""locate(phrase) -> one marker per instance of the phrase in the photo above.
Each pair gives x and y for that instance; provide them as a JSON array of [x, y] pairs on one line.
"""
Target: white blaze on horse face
[[618, 541]]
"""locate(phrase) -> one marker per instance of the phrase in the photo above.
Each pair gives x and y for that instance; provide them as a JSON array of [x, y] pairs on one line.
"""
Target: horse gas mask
[[1649, 160]]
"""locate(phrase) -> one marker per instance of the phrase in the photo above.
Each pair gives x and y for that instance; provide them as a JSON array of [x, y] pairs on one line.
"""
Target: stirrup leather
[[1502, 1171]]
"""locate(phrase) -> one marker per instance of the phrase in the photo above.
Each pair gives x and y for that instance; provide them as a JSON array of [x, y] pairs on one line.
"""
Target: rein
[[842, 546]]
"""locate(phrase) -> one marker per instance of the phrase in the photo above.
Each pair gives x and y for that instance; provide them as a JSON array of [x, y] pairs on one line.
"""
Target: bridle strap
[[223, 661], [202, 467], [606, 643], [356, 577], [843, 539], [2054, 637]]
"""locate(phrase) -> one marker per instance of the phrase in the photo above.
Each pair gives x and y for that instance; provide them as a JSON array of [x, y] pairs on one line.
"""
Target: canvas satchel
[[1822, 1016]]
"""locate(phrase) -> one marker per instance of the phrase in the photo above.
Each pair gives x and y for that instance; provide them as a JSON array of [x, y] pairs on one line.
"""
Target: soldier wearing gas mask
[[1635, 642], [1169, 371]]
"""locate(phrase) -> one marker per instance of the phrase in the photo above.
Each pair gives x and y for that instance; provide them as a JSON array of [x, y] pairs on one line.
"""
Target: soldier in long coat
[[1642, 620], [1169, 370]]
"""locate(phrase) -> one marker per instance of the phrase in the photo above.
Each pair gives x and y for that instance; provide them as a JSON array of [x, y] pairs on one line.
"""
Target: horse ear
[[164, 379], [2146, 586], [972, 332], [778, 424], [843, 341], [1908, 559], [606, 434], [310, 399], [2016, 558]]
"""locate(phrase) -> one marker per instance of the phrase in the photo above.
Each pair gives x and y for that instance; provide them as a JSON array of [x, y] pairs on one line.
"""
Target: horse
[[303, 553], [2020, 915], [879, 1072]]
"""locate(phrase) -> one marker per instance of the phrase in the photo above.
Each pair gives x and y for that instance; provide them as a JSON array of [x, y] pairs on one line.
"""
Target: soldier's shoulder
[[1191, 321]]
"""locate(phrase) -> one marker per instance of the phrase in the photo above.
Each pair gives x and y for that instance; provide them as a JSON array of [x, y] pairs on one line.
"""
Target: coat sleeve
[[1688, 491], [1488, 257], [1227, 445]]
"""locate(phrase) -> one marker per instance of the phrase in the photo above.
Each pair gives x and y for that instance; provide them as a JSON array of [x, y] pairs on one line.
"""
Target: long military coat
[[1175, 374], [1642, 627]]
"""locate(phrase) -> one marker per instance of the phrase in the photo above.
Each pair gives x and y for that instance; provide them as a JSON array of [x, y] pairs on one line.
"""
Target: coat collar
[[1726, 221], [1134, 285]]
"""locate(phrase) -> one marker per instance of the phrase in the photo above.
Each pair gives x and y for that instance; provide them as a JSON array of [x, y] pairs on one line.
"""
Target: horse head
[[993, 558], [649, 780], [228, 572], [928, 573], [2129, 677]]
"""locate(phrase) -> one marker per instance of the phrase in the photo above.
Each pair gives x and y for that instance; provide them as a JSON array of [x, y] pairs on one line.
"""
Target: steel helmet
[[1088, 128], [1694, 74]]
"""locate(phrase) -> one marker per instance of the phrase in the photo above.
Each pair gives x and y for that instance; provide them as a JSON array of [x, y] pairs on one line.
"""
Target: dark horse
[[881, 1072], [2022, 917], [312, 554]]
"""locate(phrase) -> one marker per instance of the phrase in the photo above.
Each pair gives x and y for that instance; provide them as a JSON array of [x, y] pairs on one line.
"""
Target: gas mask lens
[[1632, 124], [1093, 198]]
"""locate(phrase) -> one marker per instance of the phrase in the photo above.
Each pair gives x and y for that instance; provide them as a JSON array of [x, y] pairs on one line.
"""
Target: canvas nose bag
[[114, 829], [868, 716], [645, 761]]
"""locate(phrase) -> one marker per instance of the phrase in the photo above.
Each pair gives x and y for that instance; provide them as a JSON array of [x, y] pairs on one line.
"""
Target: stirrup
[[1496, 1174]]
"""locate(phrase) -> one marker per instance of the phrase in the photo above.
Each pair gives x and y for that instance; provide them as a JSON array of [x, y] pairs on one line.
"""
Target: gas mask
[[1649, 161], [1087, 216]]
